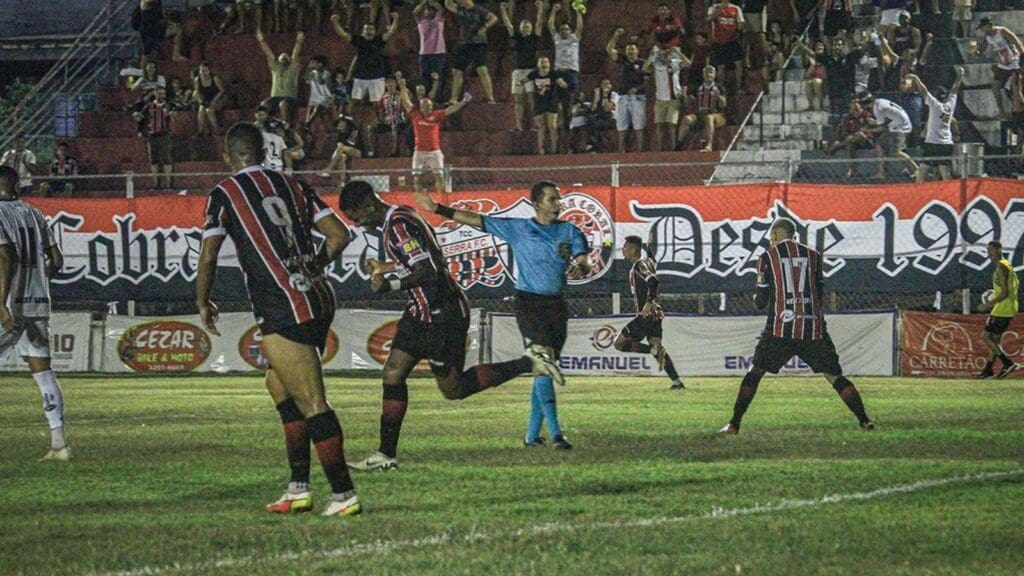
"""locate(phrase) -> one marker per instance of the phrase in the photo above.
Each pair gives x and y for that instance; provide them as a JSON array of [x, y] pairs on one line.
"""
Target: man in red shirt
[[666, 28], [727, 24], [426, 124]]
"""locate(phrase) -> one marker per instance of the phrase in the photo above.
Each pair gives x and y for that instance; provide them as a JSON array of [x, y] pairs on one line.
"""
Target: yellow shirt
[[1009, 307]]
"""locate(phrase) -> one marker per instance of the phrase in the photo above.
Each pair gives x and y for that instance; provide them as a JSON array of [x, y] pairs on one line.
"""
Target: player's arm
[[763, 294], [206, 274], [54, 260], [6, 272], [918, 85], [419, 275], [336, 237], [461, 216], [580, 267], [409, 247]]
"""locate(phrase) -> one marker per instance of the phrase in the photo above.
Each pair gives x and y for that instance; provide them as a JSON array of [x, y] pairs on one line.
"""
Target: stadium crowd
[[881, 78]]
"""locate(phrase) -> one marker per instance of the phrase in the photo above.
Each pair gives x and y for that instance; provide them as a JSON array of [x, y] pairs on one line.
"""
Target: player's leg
[[770, 355], [536, 421], [296, 439], [449, 358], [993, 335], [33, 345], [821, 357], [557, 331], [298, 368], [665, 362], [851, 397], [630, 338]]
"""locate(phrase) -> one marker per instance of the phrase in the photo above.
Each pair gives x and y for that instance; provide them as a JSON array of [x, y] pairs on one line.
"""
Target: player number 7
[[798, 267]]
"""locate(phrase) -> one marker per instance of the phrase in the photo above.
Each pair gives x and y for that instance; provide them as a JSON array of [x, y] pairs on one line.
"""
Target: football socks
[[484, 376], [748, 388], [396, 401], [325, 432], [296, 440], [53, 406], [848, 392], [536, 416], [545, 390]]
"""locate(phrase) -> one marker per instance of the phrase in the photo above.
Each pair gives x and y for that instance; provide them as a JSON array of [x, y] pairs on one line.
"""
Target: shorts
[[893, 142], [160, 150], [520, 85], [442, 343], [944, 151], [372, 89], [631, 111], [274, 104], [542, 320], [642, 327], [755, 22], [836, 20], [718, 118], [312, 333], [996, 325], [572, 78], [890, 17], [431, 160], [666, 112], [30, 338], [772, 353], [430, 63], [466, 54], [727, 54], [962, 14]]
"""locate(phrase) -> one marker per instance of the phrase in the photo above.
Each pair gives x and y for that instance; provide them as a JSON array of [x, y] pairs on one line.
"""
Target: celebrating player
[[546, 250], [435, 323], [29, 256], [1004, 305], [643, 283], [790, 285], [270, 217]]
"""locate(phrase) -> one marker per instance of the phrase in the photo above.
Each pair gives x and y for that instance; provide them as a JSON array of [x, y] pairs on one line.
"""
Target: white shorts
[[29, 339], [374, 89], [891, 17], [519, 75], [631, 112], [424, 161]]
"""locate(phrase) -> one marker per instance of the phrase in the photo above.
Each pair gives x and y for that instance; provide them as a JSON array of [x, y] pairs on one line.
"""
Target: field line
[[717, 513]]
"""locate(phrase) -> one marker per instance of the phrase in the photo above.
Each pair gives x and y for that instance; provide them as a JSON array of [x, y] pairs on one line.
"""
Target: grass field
[[171, 474]]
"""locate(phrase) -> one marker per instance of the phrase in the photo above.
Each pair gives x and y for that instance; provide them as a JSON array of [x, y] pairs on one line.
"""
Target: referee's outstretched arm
[[461, 216]]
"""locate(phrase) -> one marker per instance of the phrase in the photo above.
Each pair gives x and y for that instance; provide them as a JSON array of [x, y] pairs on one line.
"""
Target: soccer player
[[790, 284], [29, 256], [643, 283], [271, 218], [546, 251], [1004, 305], [435, 323]]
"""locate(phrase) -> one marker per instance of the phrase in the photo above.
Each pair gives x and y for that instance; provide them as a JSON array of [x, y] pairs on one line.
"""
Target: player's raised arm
[[461, 216]]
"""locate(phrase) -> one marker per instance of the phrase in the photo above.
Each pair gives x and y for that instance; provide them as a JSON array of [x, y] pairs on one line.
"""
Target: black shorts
[[996, 325], [466, 54], [160, 150], [944, 151], [772, 353], [542, 320], [313, 333], [836, 20], [643, 327], [726, 54], [443, 343]]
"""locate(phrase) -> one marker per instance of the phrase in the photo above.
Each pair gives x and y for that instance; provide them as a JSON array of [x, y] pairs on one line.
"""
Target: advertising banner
[[359, 340], [705, 346], [69, 344], [893, 238], [951, 345]]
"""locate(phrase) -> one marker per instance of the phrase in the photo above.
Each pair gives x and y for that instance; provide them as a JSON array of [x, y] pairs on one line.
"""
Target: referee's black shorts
[[772, 353], [542, 319]]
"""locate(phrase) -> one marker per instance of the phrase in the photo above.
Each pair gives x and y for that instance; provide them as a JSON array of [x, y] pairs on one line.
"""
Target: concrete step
[[777, 145], [785, 132], [793, 102], [768, 156], [792, 117]]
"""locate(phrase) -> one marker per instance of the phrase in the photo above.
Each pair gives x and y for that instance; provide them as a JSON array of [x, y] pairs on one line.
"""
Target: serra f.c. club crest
[[475, 257]]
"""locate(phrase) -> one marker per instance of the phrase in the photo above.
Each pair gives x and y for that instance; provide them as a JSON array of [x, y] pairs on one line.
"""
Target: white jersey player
[[274, 147], [28, 257]]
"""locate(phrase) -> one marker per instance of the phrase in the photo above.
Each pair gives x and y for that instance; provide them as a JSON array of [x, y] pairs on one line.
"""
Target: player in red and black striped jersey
[[271, 218], [435, 323], [790, 284], [643, 283]]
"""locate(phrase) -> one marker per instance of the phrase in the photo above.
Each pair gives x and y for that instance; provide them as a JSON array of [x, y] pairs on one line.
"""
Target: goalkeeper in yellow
[[1004, 304]]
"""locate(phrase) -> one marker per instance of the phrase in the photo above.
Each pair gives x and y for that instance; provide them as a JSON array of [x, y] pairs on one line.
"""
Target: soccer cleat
[[62, 455], [869, 425], [729, 428], [985, 375], [560, 443], [540, 442], [543, 365], [292, 503], [375, 461], [347, 507], [1007, 370], [660, 355], [677, 385]]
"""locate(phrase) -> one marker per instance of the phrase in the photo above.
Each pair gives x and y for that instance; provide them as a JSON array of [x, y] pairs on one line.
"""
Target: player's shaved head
[[537, 190], [785, 227], [244, 144], [635, 241], [355, 194], [8, 182]]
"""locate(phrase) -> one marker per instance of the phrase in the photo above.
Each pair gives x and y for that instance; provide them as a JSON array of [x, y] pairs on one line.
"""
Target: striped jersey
[[643, 270], [410, 241], [270, 217], [791, 274], [24, 229]]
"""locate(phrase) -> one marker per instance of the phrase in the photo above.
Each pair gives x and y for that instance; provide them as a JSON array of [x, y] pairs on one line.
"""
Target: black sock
[[325, 432], [1005, 359], [848, 392], [396, 401], [484, 376], [988, 367], [745, 396], [296, 439], [670, 368]]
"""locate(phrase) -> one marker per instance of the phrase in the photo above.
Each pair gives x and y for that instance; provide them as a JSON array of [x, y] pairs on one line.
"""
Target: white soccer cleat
[[292, 503], [729, 430], [62, 455], [543, 365], [347, 507], [375, 461]]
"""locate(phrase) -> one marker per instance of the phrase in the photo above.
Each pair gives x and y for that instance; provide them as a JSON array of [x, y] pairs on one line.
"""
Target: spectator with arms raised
[[284, 74], [632, 105], [526, 42], [426, 124], [429, 16], [474, 22], [567, 58]]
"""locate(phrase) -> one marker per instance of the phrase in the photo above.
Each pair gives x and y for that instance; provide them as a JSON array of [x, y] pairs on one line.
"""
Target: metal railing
[[78, 70]]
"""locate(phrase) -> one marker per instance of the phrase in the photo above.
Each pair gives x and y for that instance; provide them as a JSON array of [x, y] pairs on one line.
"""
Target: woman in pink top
[[429, 16]]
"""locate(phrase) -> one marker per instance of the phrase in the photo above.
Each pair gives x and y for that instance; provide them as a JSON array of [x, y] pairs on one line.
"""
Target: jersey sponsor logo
[[787, 316], [411, 246], [604, 337], [164, 346], [631, 363], [250, 348]]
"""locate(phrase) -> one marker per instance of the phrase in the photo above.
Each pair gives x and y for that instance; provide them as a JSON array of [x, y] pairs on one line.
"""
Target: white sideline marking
[[716, 513]]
